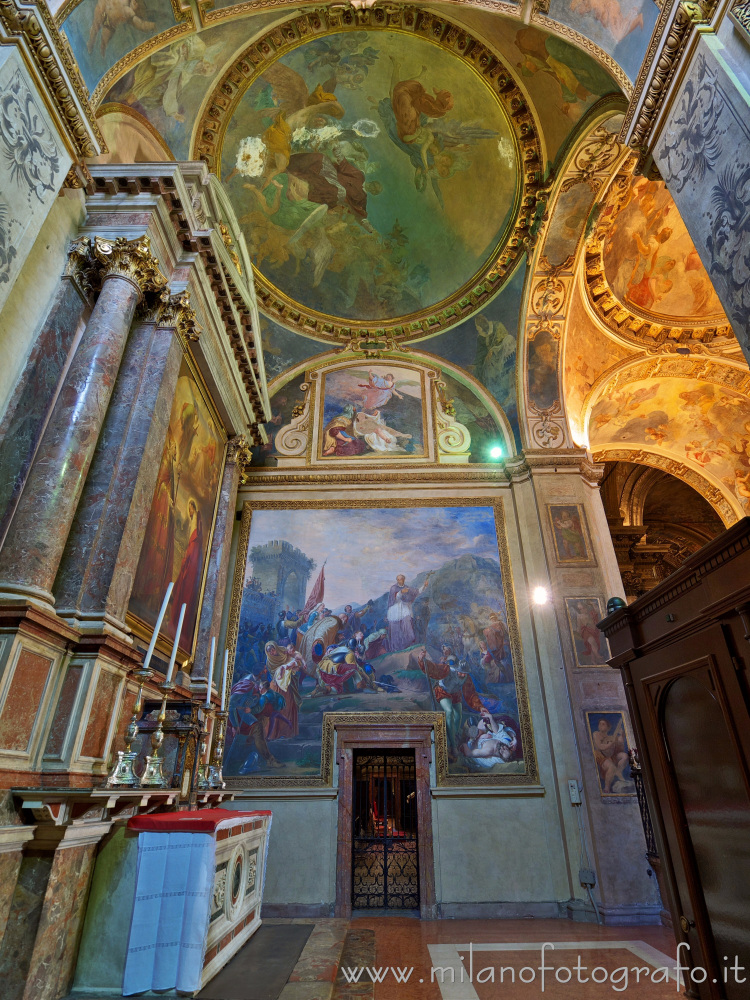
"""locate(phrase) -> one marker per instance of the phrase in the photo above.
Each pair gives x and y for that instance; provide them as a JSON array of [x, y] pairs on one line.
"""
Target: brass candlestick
[[202, 782], [153, 773], [215, 776], [123, 774]]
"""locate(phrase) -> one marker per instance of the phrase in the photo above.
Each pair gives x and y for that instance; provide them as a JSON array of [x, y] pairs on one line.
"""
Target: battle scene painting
[[175, 546], [611, 750], [358, 162], [373, 410], [396, 609], [589, 644]]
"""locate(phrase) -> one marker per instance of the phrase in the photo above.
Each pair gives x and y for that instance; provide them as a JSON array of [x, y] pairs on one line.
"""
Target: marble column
[[238, 453], [38, 532], [96, 574], [34, 394]]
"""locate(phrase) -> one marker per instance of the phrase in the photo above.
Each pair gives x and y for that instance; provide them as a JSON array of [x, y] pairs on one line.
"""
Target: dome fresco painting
[[358, 162]]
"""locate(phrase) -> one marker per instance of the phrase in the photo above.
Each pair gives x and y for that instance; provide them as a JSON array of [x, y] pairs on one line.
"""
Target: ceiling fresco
[[644, 276], [357, 162], [702, 424]]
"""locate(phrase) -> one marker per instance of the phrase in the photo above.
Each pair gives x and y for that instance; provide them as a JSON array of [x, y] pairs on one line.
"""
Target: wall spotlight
[[496, 452], [541, 595]]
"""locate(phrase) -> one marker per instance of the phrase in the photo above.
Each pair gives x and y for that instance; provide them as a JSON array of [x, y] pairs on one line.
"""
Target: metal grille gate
[[385, 867]]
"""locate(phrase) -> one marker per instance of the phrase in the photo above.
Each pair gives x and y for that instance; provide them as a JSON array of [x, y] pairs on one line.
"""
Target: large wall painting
[[358, 161], [695, 422], [180, 523], [377, 410], [651, 263], [622, 28], [570, 533], [376, 609], [610, 747]]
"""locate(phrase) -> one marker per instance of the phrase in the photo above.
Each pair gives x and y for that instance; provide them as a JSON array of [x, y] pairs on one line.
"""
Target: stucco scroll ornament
[[220, 889], [291, 441], [694, 138], [453, 438], [547, 432], [29, 146]]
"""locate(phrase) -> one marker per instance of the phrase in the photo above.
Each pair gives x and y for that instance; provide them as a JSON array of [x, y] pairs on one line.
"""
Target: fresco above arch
[[357, 162], [701, 424], [650, 262]]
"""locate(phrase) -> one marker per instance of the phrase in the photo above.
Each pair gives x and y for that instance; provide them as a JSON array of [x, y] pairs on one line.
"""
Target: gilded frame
[[585, 560], [140, 628], [530, 776]]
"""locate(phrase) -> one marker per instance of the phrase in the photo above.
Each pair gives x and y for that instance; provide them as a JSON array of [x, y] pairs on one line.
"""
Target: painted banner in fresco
[[175, 545], [403, 609], [374, 410]]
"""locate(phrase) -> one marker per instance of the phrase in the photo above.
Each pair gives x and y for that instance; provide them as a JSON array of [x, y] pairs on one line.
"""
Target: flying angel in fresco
[[410, 116], [292, 106]]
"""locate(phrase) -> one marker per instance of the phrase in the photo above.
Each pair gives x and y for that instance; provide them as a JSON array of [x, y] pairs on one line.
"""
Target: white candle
[[224, 681], [210, 671], [176, 644], [159, 620]]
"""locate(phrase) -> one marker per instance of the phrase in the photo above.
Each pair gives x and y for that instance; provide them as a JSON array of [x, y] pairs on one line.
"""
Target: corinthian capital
[[238, 451], [178, 312], [130, 259], [92, 259]]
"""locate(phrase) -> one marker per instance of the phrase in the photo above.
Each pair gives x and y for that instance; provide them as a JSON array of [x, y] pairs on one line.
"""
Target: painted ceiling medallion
[[643, 274], [383, 166]]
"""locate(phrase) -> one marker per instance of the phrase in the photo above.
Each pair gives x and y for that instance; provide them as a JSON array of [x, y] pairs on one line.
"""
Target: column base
[[25, 592]]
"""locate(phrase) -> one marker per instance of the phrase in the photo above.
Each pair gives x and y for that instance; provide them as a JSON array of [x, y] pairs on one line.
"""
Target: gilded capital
[[130, 259], [238, 451], [176, 311]]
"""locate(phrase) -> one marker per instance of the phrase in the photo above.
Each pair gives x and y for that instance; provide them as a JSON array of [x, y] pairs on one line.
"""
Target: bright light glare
[[496, 452], [540, 595]]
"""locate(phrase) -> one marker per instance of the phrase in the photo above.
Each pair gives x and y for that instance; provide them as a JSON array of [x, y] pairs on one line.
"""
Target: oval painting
[[651, 263], [374, 174]]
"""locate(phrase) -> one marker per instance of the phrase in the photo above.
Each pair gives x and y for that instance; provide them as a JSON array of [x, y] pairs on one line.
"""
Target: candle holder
[[153, 773], [215, 777], [202, 782], [123, 774]]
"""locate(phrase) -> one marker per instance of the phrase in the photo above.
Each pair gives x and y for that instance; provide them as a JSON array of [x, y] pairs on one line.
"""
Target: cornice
[[32, 28], [674, 28]]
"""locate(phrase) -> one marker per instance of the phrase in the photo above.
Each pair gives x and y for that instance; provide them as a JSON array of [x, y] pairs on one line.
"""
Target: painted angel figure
[[410, 116], [109, 15], [293, 106], [378, 390]]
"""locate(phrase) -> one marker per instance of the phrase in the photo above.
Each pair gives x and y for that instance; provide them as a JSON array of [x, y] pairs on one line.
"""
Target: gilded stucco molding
[[740, 14], [520, 235], [177, 312], [66, 93], [673, 30], [715, 496]]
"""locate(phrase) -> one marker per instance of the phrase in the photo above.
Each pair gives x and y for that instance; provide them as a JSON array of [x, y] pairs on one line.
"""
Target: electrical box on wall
[[575, 793]]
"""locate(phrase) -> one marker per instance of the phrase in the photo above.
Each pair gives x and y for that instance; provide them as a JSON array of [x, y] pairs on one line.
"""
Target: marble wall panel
[[23, 922], [105, 699], [63, 711], [23, 699], [10, 864]]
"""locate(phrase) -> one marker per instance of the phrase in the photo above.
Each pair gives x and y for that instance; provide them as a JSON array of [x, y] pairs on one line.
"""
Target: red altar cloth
[[198, 821]]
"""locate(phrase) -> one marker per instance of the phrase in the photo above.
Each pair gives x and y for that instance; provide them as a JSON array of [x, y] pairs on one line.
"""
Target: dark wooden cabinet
[[684, 653]]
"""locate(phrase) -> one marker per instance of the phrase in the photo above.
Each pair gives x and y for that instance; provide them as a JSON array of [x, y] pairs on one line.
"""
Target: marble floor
[[402, 958], [411, 959]]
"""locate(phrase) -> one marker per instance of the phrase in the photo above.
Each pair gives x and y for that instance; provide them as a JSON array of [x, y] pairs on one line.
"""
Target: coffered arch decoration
[[721, 501], [643, 277], [552, 275], [392, 409], [366, 262]]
